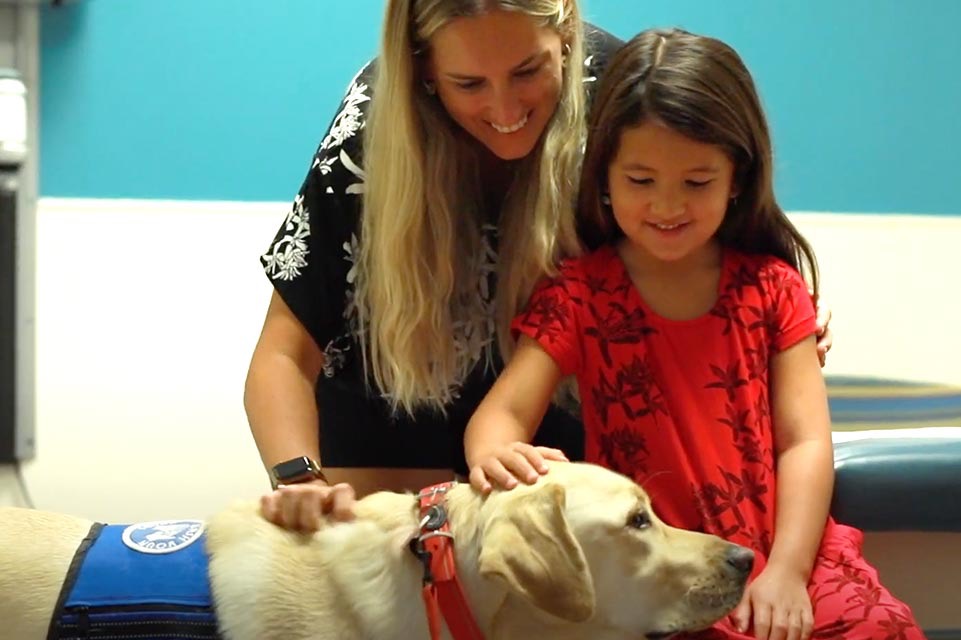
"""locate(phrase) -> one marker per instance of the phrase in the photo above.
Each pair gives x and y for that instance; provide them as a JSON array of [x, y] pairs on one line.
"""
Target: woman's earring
[[567, 53], [606, 199], [430, 87]]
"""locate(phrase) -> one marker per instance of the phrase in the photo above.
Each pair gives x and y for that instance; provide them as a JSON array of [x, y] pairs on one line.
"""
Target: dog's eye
[[639, 520]]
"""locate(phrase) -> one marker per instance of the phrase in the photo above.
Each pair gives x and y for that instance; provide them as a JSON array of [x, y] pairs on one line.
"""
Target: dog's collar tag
[[436, 518]]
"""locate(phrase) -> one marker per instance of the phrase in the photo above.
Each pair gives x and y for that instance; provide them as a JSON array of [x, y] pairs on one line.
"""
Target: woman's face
[[499, 76]]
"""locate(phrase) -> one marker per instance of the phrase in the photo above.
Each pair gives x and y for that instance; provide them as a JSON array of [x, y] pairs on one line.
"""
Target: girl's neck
[[683, 289], [644, 264]]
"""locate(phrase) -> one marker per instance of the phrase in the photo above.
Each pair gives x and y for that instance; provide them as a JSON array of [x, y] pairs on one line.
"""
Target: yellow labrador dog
[[579, 554]]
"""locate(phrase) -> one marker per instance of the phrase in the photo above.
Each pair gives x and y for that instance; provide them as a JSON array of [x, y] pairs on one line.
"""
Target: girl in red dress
[[691, 334]]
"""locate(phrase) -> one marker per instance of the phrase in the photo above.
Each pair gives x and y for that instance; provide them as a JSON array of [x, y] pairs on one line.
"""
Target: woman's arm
[[279, 391], [282, 412], [495, 442]]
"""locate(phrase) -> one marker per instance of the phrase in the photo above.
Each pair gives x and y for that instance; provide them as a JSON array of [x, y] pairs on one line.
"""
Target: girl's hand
[[301, 507], [825, 337], [779, 604], [507, 463]]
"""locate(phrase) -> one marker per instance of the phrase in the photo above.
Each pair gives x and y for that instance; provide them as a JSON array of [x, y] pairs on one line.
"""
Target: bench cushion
[[898, 480]]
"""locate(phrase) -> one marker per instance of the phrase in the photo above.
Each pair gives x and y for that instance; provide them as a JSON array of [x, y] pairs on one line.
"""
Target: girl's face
[[669, 193], [499, 76]]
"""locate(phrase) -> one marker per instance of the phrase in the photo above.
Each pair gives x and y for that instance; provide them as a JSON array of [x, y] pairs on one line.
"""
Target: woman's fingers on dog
[[309, 510], [269, 508], [341, 498], [301, 507]]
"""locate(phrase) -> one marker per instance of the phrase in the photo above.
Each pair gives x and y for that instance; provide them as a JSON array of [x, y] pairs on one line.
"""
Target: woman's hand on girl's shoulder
[[303, 507], [825, 337], [506, 465]]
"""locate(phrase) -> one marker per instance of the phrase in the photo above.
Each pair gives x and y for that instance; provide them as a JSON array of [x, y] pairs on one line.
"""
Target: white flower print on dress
[[350, 119], [288, 255]]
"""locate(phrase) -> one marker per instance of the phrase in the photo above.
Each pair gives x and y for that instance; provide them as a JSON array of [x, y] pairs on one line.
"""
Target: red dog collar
[[434, 547]]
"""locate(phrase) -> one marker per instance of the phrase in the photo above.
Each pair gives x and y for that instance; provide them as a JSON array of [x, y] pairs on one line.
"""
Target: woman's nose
[[505, 106]]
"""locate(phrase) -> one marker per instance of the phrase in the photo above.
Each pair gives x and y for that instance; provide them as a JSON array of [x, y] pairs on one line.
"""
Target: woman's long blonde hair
[[421, 247]]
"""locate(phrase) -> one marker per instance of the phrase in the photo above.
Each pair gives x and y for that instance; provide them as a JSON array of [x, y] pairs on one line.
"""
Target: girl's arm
[[777, 600], [804, 454], [495, 442]]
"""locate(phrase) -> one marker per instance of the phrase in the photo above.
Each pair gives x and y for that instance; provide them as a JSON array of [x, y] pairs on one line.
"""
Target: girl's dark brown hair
[[699, 87]]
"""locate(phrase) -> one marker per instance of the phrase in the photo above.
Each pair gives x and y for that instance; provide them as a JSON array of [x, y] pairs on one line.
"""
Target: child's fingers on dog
[[498, 473], [478, 480]]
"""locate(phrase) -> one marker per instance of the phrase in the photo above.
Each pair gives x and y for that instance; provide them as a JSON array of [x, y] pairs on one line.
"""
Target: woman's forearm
[[281, 409]]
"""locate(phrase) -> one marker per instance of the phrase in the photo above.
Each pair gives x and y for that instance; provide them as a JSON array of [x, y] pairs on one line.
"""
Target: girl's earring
[[606, 199], [566, 55], [430, 88]]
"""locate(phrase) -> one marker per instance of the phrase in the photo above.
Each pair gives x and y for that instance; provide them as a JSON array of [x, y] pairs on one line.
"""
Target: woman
[[470, 151]]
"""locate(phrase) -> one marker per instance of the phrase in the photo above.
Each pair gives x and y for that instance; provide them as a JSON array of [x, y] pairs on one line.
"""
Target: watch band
[[295, 471]]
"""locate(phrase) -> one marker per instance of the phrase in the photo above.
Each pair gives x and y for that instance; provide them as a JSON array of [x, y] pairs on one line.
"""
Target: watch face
[[295, 469]]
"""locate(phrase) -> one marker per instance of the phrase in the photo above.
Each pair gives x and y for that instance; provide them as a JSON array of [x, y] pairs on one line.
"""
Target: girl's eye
[[469, 85], [639, 520], [641, 181], [697, 184], [526, 73]]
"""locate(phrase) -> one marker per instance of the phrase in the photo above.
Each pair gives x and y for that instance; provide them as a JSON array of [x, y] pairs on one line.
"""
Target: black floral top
[[311, 265]]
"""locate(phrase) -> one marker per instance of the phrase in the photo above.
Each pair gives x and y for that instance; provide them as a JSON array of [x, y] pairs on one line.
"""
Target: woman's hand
[[301, 507], [779, 604], [504, 465], [825, 337]]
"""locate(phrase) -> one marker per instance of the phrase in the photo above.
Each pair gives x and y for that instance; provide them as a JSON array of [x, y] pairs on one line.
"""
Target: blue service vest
[[147, 581]]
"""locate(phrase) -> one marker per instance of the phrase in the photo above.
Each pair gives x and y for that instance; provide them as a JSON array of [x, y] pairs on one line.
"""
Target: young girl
[[690, 331]]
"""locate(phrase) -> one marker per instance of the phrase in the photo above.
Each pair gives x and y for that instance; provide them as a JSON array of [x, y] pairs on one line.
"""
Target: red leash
[[443, 594]]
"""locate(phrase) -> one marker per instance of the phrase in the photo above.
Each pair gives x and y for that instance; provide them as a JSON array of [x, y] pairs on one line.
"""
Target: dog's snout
[[741, 558]]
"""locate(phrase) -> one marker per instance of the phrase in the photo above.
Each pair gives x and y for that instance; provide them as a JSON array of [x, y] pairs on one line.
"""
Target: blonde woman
[[442, 191]]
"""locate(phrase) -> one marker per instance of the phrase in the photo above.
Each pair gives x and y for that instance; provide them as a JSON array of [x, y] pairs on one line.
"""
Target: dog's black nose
[[741, 558]]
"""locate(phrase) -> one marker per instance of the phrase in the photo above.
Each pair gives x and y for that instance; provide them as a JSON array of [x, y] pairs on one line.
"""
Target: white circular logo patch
[[163, 536]]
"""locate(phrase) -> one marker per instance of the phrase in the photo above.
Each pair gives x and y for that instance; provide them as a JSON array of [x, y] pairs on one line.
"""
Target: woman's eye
[[469, 86], [697, 184], [526, 73], [641, 181], [639, 520]]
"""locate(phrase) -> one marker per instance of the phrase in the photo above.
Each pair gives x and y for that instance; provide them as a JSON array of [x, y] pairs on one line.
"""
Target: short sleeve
[[310, 261], [793, 309], [551, 319]]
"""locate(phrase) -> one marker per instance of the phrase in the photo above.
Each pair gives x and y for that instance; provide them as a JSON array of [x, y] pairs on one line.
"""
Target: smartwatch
[[294, 471]]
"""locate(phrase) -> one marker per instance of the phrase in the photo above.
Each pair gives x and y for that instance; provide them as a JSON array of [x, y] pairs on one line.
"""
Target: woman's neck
[[496, 179]]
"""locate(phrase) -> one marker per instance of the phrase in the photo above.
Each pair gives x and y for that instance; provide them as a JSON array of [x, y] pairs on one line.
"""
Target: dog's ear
[[528, 543]]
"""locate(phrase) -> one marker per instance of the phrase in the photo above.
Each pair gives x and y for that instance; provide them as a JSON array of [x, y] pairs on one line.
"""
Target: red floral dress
[[683, 407]]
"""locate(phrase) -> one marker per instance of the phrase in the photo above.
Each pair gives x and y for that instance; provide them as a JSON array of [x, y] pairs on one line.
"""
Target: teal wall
[[226, 99]]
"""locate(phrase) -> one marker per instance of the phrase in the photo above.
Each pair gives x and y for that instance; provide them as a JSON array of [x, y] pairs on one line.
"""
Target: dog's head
[[582, 544]]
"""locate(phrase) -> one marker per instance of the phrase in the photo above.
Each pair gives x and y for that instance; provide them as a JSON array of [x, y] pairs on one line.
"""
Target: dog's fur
[[568, 557]]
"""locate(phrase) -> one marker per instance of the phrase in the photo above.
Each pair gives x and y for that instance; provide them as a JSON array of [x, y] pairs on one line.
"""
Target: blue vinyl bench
[[897, 457]]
